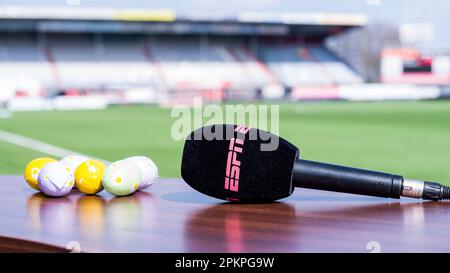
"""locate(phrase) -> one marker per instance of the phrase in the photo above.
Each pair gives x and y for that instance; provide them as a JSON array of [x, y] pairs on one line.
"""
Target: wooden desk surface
[[171, 217]]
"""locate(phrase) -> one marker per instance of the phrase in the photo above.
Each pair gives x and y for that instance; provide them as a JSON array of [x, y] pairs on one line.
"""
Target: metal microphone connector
[[425, 190]]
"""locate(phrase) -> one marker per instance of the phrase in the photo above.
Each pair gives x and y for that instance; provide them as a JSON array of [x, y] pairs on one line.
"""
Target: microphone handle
[[329, 177]]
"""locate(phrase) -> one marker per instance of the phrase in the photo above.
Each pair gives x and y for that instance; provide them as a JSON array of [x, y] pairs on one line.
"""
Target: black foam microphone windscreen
[[234, 167], [238, 163]]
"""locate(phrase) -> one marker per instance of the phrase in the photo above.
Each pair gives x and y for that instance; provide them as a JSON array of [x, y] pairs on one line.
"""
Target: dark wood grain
[[171, 217], [13, 245]]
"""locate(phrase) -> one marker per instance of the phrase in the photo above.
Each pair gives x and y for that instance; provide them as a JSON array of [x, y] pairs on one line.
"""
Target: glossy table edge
[[308, 221]]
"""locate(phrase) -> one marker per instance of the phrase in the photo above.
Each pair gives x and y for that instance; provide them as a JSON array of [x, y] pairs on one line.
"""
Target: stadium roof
[[86, 19], [111, 14]]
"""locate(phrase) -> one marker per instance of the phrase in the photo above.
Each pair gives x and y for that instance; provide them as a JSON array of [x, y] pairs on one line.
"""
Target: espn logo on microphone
[[233, 168]]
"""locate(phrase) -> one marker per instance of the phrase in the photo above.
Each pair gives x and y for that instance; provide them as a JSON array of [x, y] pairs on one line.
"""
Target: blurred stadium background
[[353, 88]]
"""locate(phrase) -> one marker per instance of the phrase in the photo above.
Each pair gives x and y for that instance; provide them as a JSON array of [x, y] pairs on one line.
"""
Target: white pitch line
[[40, 146]]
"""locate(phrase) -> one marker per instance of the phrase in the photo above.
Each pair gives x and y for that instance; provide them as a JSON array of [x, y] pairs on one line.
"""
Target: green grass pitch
[[407, 138]]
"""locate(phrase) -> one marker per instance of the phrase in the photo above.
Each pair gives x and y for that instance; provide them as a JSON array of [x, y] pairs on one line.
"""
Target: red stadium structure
[[406, 65]]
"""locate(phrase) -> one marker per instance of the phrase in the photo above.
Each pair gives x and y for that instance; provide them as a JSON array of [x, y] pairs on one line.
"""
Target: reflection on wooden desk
[[171, 217]]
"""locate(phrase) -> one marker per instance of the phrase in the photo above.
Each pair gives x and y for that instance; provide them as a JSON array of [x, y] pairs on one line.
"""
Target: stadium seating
[[187, 61], [307, 65], [65, 61], [83, 62], [21, 60]]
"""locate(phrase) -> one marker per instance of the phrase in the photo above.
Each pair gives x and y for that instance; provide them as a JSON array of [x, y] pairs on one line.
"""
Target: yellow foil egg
[[88, 176], [33, 168]]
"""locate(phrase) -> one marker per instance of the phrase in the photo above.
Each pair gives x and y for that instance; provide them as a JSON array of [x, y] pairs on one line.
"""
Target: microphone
[[228, 162]]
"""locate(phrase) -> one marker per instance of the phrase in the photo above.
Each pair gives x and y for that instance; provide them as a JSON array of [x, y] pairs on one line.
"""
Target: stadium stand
[[246, 54], [22, 60], [216, 62], [303, 64], [81, 61], [78, 61]]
